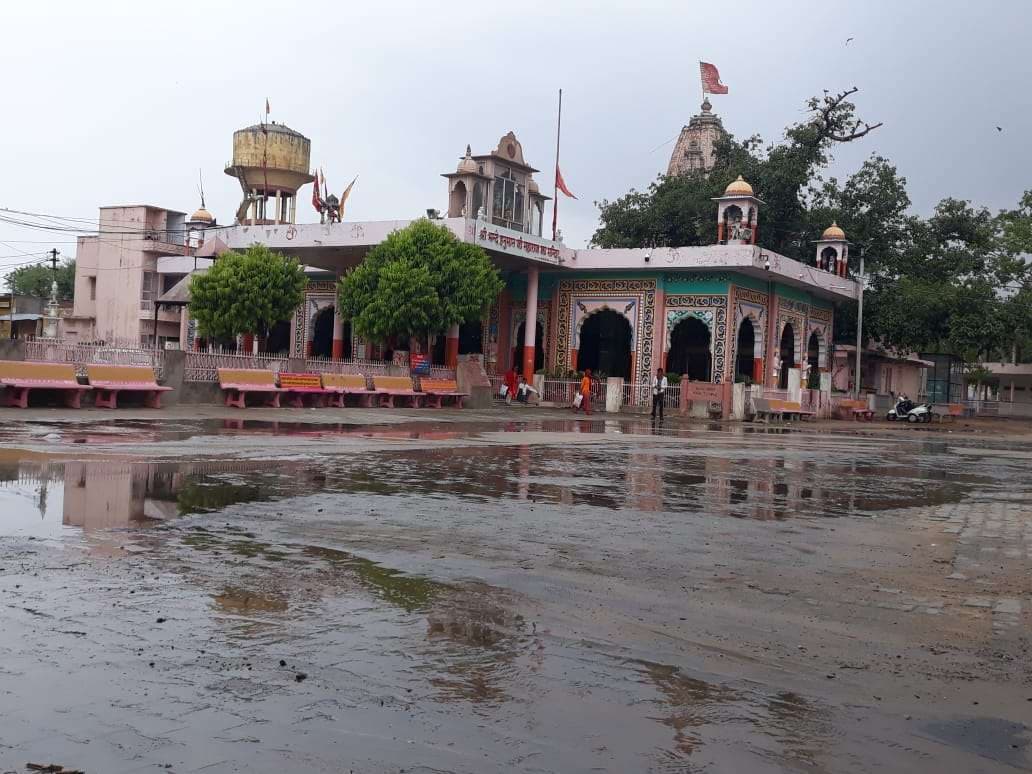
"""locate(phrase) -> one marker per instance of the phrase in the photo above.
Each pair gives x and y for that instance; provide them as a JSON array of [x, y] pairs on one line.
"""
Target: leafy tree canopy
[[420, 280], [35, 280], [246, 292]]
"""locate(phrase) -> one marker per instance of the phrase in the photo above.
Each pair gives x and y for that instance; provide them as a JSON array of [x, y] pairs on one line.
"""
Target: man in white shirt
[[659, 388]]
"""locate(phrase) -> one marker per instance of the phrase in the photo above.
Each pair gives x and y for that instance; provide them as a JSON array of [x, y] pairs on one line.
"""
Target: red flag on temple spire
[[316, 199], [711, 79]]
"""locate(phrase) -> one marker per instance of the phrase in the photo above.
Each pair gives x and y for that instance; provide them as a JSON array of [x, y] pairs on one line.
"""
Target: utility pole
[[50, 326], [859, 323]]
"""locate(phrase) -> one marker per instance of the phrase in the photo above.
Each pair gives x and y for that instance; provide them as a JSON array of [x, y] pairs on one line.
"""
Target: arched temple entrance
[[322, 333], [539, 346], [605, 344], [786, 354], [745, 350], [279, 338], [471, 337], [813, 359], [690, 350]]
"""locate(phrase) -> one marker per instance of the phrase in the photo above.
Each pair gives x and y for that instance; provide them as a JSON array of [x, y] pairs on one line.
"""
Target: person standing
[[659, 388], [585, 393], [510, 383]]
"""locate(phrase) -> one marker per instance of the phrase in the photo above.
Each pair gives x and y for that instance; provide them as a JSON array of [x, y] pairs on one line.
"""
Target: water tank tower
[[271, 162]]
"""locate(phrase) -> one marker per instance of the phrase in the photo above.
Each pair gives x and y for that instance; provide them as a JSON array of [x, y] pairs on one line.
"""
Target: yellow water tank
[[270, 157]]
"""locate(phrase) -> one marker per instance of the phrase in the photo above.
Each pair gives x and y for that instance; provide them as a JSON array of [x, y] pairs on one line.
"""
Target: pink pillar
[[530, 326]]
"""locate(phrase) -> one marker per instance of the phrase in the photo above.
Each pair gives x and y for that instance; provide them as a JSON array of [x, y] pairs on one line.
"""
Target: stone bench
[[856, 409], [436, 390], [22, 377], [238, 383], [342, 385], [390, 387], [109, 380], [299, 385]]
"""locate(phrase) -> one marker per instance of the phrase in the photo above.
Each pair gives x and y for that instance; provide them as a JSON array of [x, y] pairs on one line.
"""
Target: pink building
[[118, 275]]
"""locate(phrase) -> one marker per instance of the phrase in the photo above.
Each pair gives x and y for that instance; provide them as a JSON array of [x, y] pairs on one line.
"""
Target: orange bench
[[298, 385], [953, 410], [390, 387], [436, 390], [857, 409], [21, 377], [109, 380], [238, 382], [342, 385]]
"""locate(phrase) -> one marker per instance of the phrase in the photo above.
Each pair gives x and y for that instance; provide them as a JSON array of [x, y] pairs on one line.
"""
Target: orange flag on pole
[[344, 197], [561, 184]]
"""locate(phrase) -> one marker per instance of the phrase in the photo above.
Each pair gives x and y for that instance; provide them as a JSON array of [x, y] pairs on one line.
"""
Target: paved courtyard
[[201, 590]]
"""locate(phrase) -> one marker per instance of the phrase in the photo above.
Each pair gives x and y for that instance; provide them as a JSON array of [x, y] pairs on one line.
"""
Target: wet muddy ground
[[510, 591]]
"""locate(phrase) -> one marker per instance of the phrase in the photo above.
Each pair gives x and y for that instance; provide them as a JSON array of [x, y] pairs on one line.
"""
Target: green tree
[[419, 281], [35, 280], [246, 293]]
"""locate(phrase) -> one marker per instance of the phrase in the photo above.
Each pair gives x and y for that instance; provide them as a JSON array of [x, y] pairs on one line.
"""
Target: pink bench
[[436, 390], [342, 385], [237, 383], [21, 377], [109, 380], [391, 387], [299, 385]]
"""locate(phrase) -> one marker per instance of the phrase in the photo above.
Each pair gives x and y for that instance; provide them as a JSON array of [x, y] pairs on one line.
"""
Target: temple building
[[695, 149], [730, 311]]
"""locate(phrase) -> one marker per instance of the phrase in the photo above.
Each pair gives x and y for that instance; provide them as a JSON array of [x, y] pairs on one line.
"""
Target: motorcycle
[[910, 411]]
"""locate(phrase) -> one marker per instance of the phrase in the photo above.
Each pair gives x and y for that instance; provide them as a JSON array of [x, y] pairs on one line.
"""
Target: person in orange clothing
[[585, 393], [510, 383]]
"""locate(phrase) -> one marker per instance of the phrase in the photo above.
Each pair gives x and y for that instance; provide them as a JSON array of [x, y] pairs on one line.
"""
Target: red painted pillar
[[757, 370], [338, 334], [720, 231], [247, 343], [530, 326], [451, 347]]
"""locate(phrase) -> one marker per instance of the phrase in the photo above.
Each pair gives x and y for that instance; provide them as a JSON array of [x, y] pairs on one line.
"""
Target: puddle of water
[[45, 499]]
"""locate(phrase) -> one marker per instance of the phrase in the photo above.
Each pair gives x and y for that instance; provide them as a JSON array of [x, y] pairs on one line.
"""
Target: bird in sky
[[999, 128], [847, 41]]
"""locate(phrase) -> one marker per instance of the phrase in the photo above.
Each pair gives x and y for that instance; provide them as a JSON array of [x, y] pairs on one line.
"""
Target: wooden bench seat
[[342, 385], [109, 380], [436, 390], [298, 385], [856, 409], [390, 387], [21, 377], [237, 383]]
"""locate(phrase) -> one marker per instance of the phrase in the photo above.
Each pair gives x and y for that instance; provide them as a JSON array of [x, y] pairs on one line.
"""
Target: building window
[[507, 205], [148, 290], [93, 288]]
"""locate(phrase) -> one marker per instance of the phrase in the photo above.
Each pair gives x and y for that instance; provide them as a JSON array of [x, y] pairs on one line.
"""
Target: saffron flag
[[344, 197], [561, 184], [711, 79], [325, 190], [316, 200]]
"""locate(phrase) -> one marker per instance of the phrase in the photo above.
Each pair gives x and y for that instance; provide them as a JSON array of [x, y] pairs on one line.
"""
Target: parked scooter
[[910, 411]]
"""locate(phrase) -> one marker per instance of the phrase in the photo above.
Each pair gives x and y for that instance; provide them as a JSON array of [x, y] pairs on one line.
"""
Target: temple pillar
[[451, 347], [338, 333], [530, 325], [247, 343]]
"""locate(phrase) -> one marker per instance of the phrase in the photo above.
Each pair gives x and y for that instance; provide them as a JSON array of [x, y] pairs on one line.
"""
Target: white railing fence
[[204, 366], [638, 395], [84, 354], [347, 366]]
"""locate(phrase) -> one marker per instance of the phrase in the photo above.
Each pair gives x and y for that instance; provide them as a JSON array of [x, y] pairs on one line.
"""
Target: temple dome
[[467, 165], [738, 188], [833, 232], [202, 216], [533, 187]]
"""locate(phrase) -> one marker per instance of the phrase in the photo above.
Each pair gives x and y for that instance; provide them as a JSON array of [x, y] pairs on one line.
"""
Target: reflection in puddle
[[40, 498]]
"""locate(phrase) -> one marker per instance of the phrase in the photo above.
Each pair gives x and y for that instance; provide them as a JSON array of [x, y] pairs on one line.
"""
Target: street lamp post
[[859, 323]]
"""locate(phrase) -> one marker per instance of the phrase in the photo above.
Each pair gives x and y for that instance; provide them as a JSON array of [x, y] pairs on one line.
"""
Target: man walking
[[659, 388]]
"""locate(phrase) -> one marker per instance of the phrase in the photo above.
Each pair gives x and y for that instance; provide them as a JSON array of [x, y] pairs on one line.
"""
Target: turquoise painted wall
[[796, 294]]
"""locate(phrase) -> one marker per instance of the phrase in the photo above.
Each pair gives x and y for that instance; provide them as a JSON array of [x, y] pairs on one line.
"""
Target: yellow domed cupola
[[833, 233], [739, 188]]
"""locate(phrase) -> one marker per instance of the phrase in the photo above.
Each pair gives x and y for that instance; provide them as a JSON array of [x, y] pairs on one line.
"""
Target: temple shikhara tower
[[695, 150]]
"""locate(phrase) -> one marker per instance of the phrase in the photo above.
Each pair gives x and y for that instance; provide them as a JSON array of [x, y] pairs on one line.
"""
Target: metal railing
[[324, 365], [562, 391], [84, 354], [638, 395], [204, 366]]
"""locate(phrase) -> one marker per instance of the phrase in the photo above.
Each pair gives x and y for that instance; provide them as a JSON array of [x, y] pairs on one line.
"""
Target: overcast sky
[[122, 103]]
